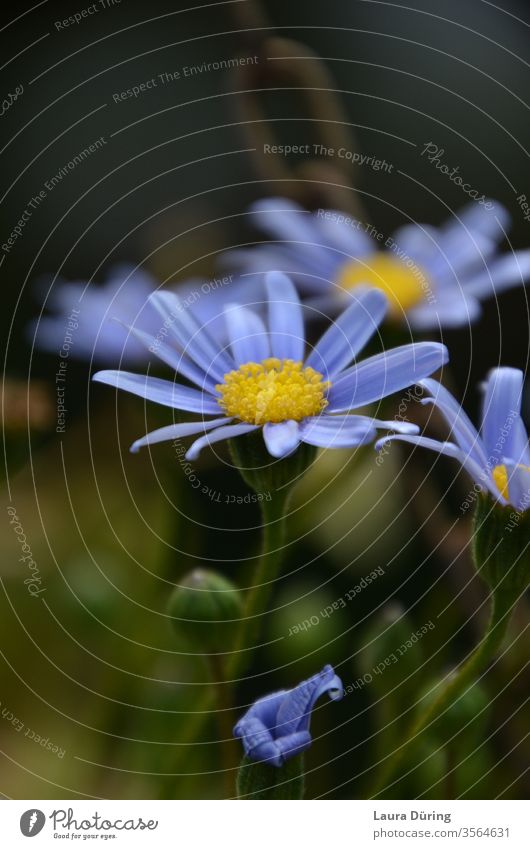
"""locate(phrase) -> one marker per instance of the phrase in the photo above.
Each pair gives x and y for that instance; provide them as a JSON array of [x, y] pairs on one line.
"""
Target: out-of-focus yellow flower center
[[403, 286], [273, 391], [500, 476]]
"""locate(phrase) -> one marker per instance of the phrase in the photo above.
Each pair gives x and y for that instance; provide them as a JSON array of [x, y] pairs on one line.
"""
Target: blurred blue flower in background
[[497, 459], [263, 379], [432, 276], [276, 727], [123, 295], [95, 319]]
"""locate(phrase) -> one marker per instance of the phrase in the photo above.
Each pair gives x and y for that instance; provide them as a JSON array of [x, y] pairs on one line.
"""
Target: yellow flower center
[[404, 286], [273, 391], [500, 476]]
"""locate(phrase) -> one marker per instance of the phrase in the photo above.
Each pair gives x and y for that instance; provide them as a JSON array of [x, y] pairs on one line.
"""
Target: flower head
[[498, 459], [264, 380], [431, 276], [276, 727]]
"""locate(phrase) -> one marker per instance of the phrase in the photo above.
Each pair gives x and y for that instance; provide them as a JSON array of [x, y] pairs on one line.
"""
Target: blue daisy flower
[[497, 459], [276, 727], [432, 276], [264, 381], [100, 315]]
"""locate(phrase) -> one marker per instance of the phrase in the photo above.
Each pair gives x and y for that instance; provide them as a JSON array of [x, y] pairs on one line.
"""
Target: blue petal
[[518, 486], [265, 709], [349, 333], [286, 325], [160, 391], [384, 374], [194, 340], [257, 740], [226, 432], [249, 340], [295, 711], [337, 431], [450, 309], [287, 222], [180, 363], [292, 744], [281, 439], [342, 233], [503, 273], [501, 408], [176, 431], [492, 223], [481, 477], [462, 429]]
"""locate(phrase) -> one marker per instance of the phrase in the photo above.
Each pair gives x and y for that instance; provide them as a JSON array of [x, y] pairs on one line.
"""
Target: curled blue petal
[[276, 727]]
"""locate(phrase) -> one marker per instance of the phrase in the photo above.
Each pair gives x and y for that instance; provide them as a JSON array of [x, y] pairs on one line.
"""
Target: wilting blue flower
[[276, 727], [498, 459], [432, 276], [263, 380], [95, 318]]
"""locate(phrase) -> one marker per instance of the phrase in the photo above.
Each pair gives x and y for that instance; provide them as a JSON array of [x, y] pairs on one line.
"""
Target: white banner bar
[[255, 825]]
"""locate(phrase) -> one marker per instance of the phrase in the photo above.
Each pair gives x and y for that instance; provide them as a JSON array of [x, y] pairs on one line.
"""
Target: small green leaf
[[262, 781]]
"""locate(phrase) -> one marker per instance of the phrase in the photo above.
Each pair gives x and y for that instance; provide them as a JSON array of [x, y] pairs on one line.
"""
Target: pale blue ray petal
[[349, 333], [342, 233], [286, 324], [503, 273], [417, 241], [194, 340], [462, 428], [282, 438], [518, 486], [337, 431], [449, 309], [482, 478], [385, 373], [178, 361], [492, 223], [176, 431], [285, 221], [247, 334], [226, 432], [393, 424], [160, 391], [500, 411]]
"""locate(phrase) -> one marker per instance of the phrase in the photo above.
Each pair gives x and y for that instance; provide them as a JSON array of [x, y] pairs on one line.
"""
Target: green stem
[[267, 569], [225, 722], [502, 604]]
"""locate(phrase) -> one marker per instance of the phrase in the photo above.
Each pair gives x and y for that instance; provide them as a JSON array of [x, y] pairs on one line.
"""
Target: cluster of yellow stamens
[[273, 391], [500, 476], [403, 285]]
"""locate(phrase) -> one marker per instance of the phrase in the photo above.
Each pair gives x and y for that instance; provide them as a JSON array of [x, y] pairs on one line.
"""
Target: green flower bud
[[501, 546], [205, 609]]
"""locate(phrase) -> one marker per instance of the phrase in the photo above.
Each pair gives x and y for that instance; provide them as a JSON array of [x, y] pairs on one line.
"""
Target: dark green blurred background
[[93, 665]]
